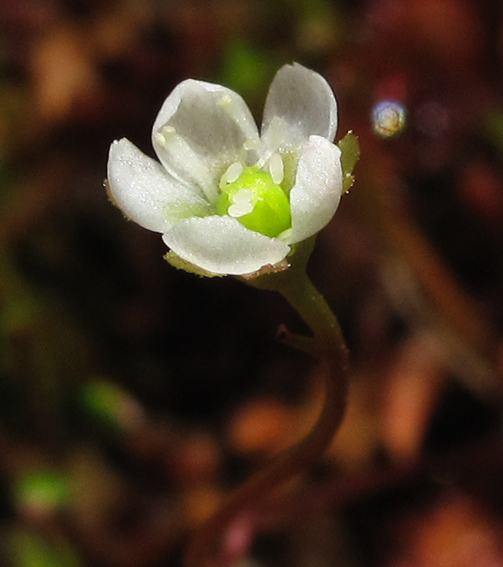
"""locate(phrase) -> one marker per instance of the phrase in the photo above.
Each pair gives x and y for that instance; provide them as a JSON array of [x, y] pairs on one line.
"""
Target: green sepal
[[275, 278], [266, 270], [181, 264], [350, 148]]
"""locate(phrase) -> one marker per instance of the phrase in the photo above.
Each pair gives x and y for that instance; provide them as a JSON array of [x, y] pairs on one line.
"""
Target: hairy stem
[[327, 344]]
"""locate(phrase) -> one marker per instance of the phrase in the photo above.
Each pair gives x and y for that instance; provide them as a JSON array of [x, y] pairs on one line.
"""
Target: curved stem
[[327, 344]]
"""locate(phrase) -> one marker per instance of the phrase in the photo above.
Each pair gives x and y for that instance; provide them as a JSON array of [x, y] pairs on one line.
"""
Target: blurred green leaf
[[111, 404], [31, 550], [41, 491], [246, 69]]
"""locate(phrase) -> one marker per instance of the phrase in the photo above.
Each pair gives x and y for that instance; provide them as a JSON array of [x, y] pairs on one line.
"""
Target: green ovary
[[271, 209]]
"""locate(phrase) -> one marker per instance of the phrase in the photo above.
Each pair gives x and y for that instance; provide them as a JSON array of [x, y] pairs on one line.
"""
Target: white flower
[[224, 198]]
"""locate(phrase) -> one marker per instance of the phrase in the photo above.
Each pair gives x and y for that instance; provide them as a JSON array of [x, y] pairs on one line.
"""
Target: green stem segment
[[328, 345]]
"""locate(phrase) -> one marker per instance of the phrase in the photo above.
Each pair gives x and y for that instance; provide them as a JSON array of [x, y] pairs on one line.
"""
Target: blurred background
[[133, 397]]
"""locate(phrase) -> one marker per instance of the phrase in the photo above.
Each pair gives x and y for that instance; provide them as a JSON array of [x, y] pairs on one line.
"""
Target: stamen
[[242, 203], [243, 196], [231, 105], [264, 158], [249, 151], [252, 144], [163, 134], [175, 150], [276, 168], [231, 174], [277, 133], [225, 100]]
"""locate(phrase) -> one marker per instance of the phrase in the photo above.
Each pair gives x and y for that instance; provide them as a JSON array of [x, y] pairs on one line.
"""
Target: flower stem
[[327, 344]]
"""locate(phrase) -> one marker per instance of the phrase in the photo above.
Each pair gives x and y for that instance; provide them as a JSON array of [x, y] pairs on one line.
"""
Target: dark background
[[133, 397]]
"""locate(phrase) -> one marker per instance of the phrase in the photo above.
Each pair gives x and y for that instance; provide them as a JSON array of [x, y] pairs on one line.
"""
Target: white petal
[[300, 104], [222, 245], [200, 131], [145, 193], [318, 186]]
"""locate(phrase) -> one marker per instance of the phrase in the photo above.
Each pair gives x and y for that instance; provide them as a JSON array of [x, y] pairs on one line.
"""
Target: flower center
[[250, 195]]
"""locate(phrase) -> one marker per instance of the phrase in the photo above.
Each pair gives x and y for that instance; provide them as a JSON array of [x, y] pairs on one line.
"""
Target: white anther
[[163, 135], [276, 168], [243, 196], [242, 203], [252, 144], [225, 100], [249, 150], [231, 174]]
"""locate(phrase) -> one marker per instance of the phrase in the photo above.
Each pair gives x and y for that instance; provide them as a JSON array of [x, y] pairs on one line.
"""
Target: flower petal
[[300, 104], [318, 187], [200, 131], [145, 193], [222, 245]]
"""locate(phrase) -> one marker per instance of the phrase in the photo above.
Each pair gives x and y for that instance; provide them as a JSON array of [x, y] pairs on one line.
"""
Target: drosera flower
[[226, 199]]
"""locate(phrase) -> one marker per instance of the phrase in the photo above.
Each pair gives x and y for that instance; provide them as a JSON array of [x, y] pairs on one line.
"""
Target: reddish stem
[[206, 548]]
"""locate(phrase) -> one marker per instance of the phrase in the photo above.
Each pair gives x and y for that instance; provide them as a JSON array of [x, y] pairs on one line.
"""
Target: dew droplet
[[388, 118]]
